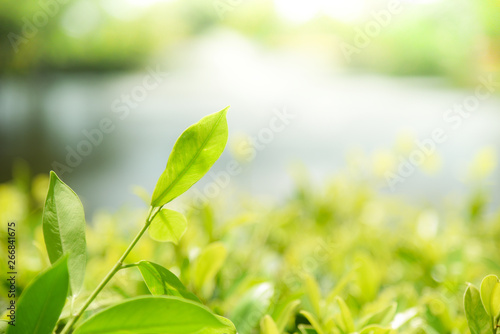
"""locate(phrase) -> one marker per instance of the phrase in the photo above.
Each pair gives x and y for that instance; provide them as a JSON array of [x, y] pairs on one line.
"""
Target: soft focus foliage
[[332, 259]]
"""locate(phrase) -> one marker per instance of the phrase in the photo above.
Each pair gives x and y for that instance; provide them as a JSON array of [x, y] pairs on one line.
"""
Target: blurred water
[[335, 112]]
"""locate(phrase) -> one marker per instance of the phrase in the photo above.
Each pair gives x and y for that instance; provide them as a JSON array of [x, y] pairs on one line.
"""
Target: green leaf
[[286, 314], [313, 294], [161, 281], [313, 321], [208, 264], [375, 329], [477, 318], [490, 295], [42, 301], [402, 318], [306, 329], [64, 230], [382, 317], [3, 326], [251, 306], [168, 225], [347, 323], [156, 315], [268, 326], [193, 155]]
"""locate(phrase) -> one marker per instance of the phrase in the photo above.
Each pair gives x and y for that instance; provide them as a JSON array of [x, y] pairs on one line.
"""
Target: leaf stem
[[153, 211]]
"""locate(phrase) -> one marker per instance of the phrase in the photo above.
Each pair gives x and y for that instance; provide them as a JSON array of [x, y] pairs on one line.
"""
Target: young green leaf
[[64, 230], [156, 315], [477, 318], [490, 295], [42, 301], [313, 294], [208, 264], [346, 323], [161, 281], [313, 321], [287, 314], [382, 317], [306, 329], [375, 329], [168, 225], [402, 318], [268, 326], [251, 306], [193, 155]]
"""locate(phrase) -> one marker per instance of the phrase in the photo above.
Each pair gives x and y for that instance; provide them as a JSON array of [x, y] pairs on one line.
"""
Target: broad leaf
[[156, 315], [168, 225], [161, 281], [208, 264], [64, 230], [193, 155], [477, 318], [490, 295], [42, 301]]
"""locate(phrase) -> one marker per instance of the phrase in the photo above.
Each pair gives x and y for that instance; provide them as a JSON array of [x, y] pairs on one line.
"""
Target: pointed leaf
[[306, 329], [64, 230], [313, 321], [313, 294], [42, 301], [156, 315], [168, 225], [268, 326], [345, 315], [193, 155], [161, 281], [286, 315], [382, 317], [477, 318]]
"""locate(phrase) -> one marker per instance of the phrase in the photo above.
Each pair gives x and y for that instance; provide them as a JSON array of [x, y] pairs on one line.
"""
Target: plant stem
[[118, 265]]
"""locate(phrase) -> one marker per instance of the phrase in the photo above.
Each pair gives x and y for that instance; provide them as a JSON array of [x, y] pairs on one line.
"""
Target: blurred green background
[[363, 87], [454, 39], [360, 75]]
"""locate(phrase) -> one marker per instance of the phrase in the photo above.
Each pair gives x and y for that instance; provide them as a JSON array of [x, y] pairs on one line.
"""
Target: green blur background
[[454, 39], [418, 247]]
